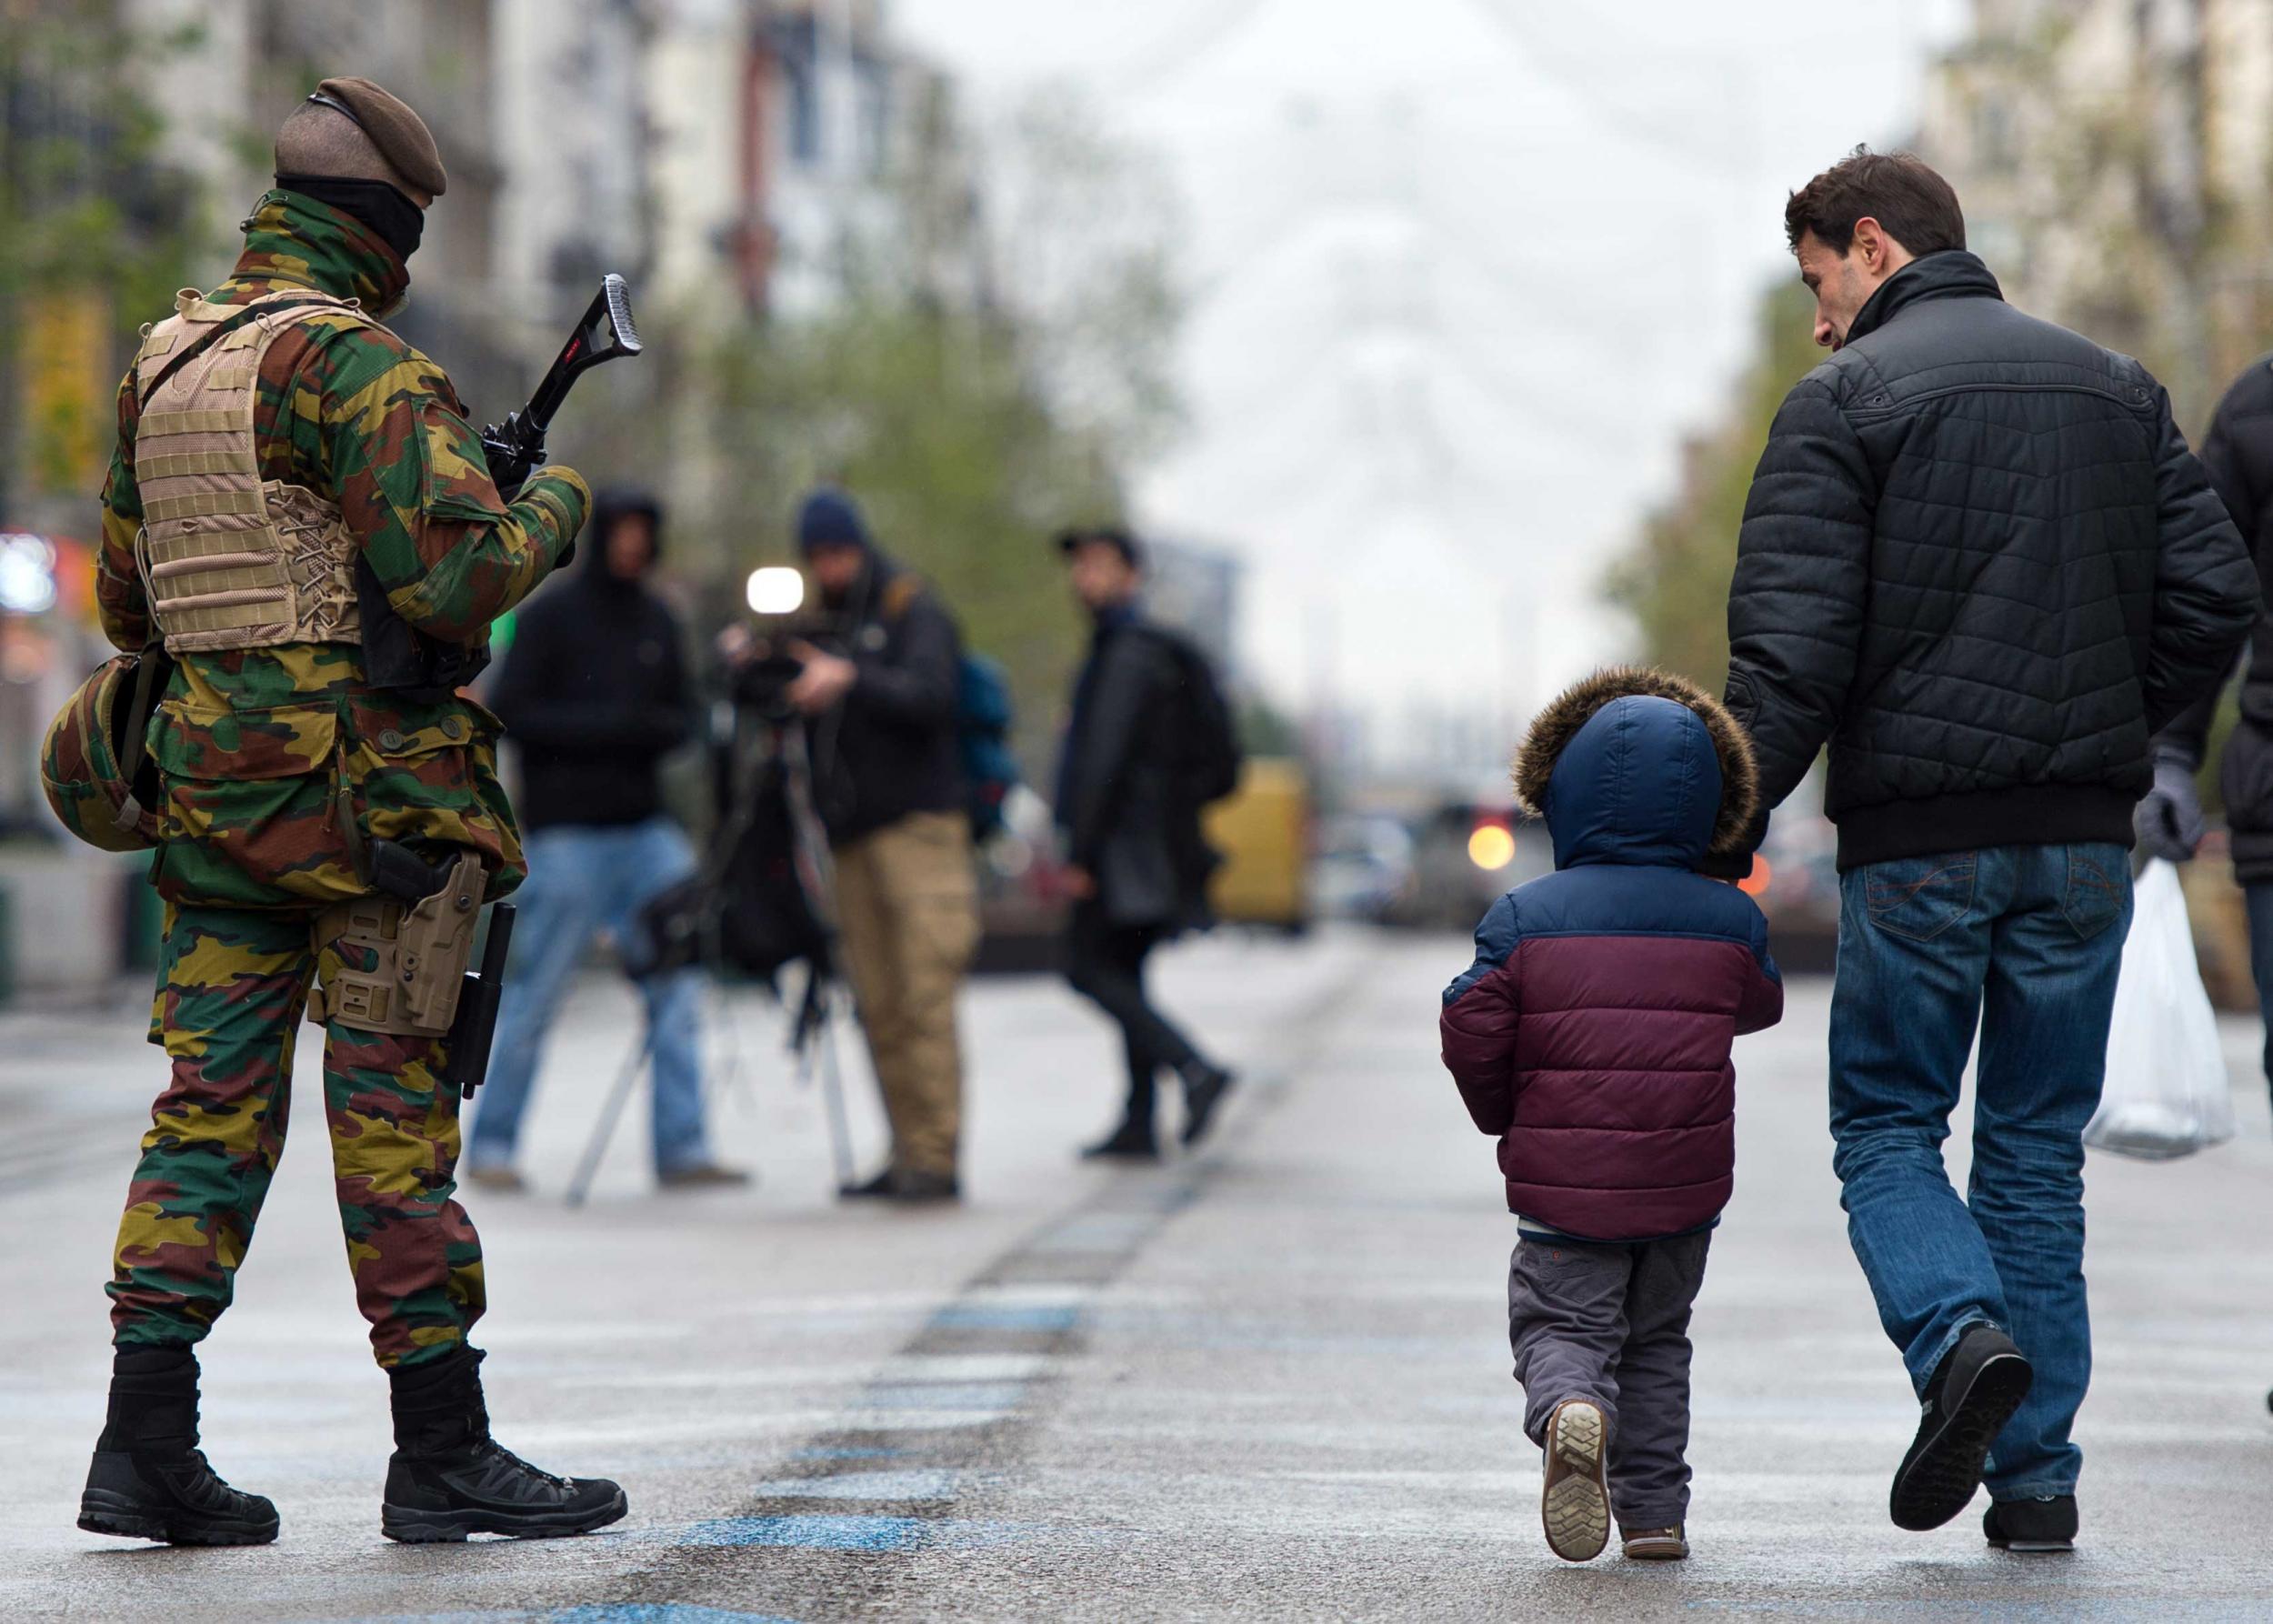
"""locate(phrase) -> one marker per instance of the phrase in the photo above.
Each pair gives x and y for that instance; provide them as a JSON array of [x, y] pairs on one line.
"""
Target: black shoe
[[449, 1479], [875, 1188], [1203, 1088], [2045, 1526], [926, 1189], [1980, 1384], [1128, 1142], [148, 1480]]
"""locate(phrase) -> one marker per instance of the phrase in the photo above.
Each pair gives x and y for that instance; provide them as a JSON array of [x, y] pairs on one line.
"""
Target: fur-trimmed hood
[[1638, 766]]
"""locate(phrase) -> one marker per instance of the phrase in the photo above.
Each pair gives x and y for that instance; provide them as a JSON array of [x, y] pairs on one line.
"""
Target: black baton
[[476, 1021]]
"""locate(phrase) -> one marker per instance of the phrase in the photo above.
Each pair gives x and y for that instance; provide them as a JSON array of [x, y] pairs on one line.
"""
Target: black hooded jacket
[[2239, 453], [595, 689], [1979, 562]]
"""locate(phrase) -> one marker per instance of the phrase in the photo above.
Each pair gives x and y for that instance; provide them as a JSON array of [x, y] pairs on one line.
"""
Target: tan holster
[[418, 955]]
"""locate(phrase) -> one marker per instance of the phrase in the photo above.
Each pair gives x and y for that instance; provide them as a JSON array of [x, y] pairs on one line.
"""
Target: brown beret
[[399, 134]]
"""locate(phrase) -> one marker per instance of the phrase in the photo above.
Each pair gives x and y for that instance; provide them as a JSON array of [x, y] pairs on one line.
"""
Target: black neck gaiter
[[394, 218]]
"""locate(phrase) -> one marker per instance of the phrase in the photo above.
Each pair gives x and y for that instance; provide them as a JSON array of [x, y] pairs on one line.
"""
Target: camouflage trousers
[[232, 985]]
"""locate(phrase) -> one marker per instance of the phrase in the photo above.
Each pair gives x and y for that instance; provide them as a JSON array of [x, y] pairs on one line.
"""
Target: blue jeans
[[2024, 942], [583, 880]]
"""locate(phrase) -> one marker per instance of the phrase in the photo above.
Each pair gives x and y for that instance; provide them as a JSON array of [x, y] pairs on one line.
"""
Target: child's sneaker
[[1655, 1545], [1576, 1505]]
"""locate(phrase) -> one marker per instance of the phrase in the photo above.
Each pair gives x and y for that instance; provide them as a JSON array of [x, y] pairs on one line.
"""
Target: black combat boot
[[448, 1477], [149, 1479]]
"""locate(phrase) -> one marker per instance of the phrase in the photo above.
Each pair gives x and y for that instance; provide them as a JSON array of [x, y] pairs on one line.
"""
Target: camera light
[[777, 590]]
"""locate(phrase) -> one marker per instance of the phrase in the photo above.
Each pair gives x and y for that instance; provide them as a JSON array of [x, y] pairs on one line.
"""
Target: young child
[[1592, 1035]]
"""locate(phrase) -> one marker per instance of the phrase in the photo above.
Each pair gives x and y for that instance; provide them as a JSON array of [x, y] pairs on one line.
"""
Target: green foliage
[[971, 427], [1675, 582], [84, 209]]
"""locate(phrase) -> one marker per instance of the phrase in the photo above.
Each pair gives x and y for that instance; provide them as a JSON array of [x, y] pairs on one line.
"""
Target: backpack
[[983, 714], [1208, 756]]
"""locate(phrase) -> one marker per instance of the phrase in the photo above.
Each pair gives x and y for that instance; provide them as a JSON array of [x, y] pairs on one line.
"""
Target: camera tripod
[[776, 745]]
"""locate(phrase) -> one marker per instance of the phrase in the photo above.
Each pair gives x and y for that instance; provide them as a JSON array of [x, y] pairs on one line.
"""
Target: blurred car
[[1466, 854], [1263, 830], [1364, 866]]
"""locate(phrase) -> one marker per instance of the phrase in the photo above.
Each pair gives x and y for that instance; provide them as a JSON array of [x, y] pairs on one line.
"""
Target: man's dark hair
[[1112, 536], [1898, 189]]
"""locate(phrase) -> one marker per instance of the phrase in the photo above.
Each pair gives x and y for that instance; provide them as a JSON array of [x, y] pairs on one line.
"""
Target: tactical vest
[[229, 559]]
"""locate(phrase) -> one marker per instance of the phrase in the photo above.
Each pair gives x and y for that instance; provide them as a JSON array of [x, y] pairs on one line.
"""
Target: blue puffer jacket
[[1592, 1034]]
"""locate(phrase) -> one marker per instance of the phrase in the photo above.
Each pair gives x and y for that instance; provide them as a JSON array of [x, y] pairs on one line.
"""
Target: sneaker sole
[[450, 1527], [1574, 1510], [2037, 1548], [104, 1513], [1942, 1478]]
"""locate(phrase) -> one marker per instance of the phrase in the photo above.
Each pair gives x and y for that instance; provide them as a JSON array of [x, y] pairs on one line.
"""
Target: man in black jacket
[[884, 703], [1138, 865], [595, 694], [1980, 563], [2239, 453]]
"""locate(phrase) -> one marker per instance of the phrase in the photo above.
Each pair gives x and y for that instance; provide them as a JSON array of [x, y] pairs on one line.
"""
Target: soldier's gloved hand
[[2169, 822], [561, 488]]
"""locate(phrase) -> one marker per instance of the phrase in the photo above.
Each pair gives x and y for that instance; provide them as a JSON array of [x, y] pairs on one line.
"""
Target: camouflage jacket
[[278, 763]]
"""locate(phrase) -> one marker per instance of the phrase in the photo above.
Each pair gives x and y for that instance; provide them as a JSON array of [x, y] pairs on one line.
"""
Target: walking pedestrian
[[278, 449], [1146, 712], [595, 693], [2237, 453], [1979, 562], [883, 700], [1591, 1036]]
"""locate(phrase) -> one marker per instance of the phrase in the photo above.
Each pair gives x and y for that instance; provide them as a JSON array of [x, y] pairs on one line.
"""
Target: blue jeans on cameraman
[[2024, 942], [584, 879]]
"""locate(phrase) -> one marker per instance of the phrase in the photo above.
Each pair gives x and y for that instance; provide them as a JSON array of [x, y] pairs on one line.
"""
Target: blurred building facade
[[2116, 162]]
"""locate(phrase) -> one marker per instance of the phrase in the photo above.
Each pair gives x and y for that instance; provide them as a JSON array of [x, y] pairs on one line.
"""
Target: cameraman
[[884, 698]]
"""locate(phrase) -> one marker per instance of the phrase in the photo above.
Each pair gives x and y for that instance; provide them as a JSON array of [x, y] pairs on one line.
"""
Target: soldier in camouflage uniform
[[267, 562]]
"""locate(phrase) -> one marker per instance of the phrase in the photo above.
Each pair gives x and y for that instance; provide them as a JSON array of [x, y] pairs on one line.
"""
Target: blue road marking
[[983, 1317], [886, 1534]]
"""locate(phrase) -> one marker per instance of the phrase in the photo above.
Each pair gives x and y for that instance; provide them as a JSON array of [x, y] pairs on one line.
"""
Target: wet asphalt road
[[1268, 1381]]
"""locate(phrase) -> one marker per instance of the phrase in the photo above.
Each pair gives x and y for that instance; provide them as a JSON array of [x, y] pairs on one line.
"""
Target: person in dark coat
[[883, 704], [2238, 454], [595, 694], [1137, 863], [1981, 564], [1591, 1038]]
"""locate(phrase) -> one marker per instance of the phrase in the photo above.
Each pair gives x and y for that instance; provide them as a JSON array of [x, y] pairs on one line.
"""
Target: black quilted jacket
[[1979, 562]]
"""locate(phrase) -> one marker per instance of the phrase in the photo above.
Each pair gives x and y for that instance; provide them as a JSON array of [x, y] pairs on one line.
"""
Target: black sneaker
[[2045, 1526], [1980, 1384], [1128, 1142], [1203, 1088], [449, 1479], [874, 1189], [148, 1480]]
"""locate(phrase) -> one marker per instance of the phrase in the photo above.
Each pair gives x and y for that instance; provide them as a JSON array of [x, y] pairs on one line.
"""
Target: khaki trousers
[[908, 913]]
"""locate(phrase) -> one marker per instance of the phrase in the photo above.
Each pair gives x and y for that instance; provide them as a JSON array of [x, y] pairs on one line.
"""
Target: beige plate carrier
[[230, 560]]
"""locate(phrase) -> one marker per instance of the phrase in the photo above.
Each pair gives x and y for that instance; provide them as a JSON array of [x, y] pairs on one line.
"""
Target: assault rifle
[[517, 446]]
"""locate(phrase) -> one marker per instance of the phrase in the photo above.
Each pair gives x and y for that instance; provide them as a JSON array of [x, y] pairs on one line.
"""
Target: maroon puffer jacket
[[1593, 1032]]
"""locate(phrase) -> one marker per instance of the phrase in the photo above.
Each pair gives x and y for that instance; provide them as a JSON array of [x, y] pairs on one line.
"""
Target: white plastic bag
[[2166, 1093]]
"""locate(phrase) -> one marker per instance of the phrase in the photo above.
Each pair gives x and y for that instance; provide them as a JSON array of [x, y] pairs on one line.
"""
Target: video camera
[[762, 671]]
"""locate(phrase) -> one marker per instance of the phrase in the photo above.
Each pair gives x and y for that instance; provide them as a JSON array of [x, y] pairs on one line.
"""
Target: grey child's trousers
[[1610, 1324]]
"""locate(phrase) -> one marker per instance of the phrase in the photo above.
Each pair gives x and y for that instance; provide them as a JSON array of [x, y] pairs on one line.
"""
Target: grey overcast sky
[[1462, 273]]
